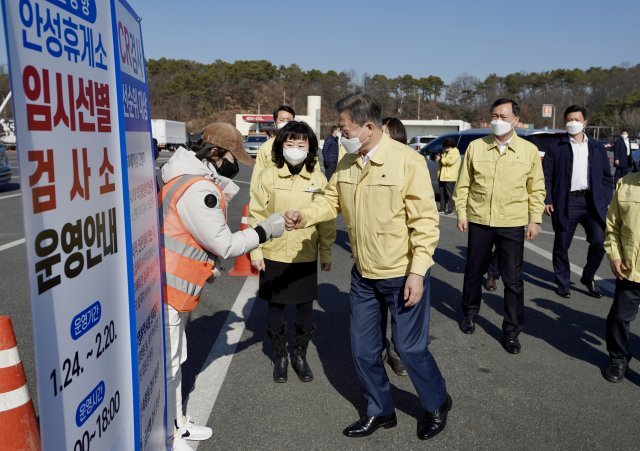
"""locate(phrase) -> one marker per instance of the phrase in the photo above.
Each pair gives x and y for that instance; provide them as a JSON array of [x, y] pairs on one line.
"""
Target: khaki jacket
[[389, 208], [263, 159], [449, 165], [276, 190], [622, 235], [500, 190]]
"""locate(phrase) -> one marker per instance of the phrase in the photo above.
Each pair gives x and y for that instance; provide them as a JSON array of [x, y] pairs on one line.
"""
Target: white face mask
[[294, 155], [500, 127], [279, 125], [574, 127], [352, 145], [624, 136]]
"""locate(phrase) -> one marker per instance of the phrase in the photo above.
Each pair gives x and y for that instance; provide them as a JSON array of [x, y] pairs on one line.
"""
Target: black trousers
[[623, 310], [509, 242], [446, 194], [494, 264], [583, 212]]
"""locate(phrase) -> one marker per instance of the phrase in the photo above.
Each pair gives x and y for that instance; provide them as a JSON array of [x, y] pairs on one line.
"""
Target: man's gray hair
[[361, 108]]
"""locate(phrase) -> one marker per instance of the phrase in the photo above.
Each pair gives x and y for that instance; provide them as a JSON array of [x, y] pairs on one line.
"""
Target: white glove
[[273, 226]]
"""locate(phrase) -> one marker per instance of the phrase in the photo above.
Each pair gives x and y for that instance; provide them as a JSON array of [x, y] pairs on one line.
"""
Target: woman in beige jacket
[[448, 170], [288, 265]]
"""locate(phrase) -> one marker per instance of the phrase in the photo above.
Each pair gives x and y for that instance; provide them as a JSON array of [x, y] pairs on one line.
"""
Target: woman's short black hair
[[295, 130], [448, 143]]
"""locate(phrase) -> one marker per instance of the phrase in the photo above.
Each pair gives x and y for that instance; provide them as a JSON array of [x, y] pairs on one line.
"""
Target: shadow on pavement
[[6, 187], [203, 332], [333, 344], [342, 240]]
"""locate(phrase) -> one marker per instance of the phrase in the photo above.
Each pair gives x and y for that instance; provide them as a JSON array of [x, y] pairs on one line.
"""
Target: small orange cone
[[18, 425], [242, 264]]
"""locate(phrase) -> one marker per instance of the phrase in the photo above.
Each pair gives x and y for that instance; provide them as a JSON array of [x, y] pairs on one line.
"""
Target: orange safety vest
[[186, 265]]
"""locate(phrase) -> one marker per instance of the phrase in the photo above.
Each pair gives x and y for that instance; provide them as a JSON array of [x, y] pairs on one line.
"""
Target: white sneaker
[[190, 431], [180, 445]]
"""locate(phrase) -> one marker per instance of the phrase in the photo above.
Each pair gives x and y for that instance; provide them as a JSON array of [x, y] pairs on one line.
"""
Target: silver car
[[5, 166], [253, 142]]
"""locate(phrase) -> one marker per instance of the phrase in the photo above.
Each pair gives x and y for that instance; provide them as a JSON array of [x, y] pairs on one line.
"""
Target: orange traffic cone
[[242, 264], [18, 425]]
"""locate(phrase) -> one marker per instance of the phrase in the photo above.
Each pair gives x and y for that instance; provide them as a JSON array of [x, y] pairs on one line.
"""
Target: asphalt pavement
[[551, 396]]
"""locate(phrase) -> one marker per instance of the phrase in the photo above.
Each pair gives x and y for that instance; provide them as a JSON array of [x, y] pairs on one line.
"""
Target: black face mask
[[228, 169]]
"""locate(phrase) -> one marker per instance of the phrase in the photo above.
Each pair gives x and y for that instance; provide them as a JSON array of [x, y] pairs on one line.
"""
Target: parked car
[[538, 136], [418, 142], [5, 166], [253, 142], [635, 155]]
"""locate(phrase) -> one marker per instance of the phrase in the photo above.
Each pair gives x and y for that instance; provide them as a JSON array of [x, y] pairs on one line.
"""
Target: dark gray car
[[5, 166]]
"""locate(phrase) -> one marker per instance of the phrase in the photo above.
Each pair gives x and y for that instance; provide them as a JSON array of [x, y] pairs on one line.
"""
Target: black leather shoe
[[468, 325], [368, 425], [615, 371], [434, 422], [592, 288], [563, 292], [512, 345], [490, 284], [397, 366]]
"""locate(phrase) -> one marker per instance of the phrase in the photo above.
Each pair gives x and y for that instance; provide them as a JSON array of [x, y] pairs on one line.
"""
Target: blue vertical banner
[[90, 218], [142, 216]]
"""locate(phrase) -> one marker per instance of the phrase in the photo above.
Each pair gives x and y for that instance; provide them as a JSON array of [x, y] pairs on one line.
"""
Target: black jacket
[[558, 167], [330, 151]]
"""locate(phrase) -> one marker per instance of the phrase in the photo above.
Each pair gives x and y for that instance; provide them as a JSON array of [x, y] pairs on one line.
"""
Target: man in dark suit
[[579, 188], [330, 152], [622, 155]]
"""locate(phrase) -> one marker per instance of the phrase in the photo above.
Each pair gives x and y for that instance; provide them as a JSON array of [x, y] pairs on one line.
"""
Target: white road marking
[[603, 284], [4, 247], [575, 237], [10, 195], [214, 369]]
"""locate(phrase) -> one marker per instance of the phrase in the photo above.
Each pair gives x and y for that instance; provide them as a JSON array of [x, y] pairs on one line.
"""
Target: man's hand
[[413, 288], [463, 225], [292, 219], [548, 209], [325, 266], [533, 230], [616, 163], [618, 267], [258, 265]]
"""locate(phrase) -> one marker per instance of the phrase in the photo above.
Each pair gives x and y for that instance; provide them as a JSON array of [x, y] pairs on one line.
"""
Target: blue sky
[[446, 38]]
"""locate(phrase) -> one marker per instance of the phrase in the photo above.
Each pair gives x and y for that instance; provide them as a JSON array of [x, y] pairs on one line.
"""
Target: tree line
[[199, 93]]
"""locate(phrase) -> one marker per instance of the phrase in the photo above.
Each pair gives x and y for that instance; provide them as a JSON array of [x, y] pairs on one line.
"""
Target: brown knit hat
[[227, 137]]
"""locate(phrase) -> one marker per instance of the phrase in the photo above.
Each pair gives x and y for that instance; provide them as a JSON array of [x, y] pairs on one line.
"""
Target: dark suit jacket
[[620, 153], [558, 167], [330, 151]]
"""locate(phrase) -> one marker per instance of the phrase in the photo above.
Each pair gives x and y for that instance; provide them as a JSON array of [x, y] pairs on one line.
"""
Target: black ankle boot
[[279, 357], [299, 360]]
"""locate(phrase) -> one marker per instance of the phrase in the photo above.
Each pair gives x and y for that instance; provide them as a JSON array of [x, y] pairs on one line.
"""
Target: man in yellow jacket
[[499, 191], [622, 245], [281, 117], [383, 189]]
